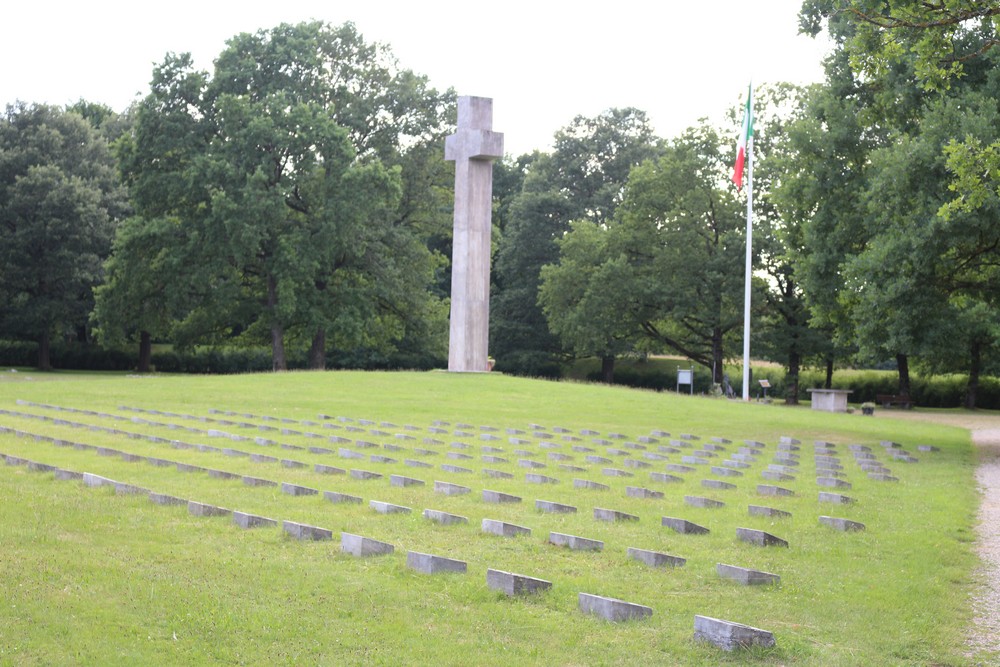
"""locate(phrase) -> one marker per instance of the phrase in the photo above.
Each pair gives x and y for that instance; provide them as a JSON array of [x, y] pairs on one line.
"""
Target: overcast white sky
[[543, 62]]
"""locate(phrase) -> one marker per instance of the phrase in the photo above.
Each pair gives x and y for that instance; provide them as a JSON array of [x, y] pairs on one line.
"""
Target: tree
[[59, 204], [582, 179], [284, 168]]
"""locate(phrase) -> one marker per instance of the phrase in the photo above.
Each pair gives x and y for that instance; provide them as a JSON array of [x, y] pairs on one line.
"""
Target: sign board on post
[[685, 376]]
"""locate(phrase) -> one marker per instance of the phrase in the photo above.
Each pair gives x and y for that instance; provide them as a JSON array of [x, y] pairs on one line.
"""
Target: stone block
[[494, 459], [655, 558], [635, 463], [402, 481], [364, 474], [598, 459], [296, 490], [123, 489], [602, 514], [301, 531], [724, 471], [164, 499], [247, 521], [587, 484], [768, 490], [695, 460], [527, 463], [34, 466], [203, 509], [535, 478], [760, 510], [571, 468], [615, 472], [458, 469], [356, 545], [640, 492], [379, 458], [745, 576], [68, 475], [289, 463], [612, 609], [328, 470], [665, 478], [498, 497], [717, 484], [497, 474], [444, 518], [515, 584], [430, 564], [882, 477], [841, 524], [503, 529], [92, 480], [222, 474], [388, 508], [413, 463], [774, 476], [450, 489], [833, 482], [708, 503], [683, 526], [575, 542], [828, 497], [556, 508], [335, 497], [730, 636], [257, 481], [263, 458], [760, 538]]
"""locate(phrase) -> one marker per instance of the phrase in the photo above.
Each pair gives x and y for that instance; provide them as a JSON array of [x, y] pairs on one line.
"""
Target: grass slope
[[90, 577]]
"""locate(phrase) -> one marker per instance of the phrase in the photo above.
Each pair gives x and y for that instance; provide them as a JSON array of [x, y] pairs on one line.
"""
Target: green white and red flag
[[744, 142]]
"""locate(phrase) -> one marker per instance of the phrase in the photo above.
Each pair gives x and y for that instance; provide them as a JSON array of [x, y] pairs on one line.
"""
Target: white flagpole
[[746, 288]]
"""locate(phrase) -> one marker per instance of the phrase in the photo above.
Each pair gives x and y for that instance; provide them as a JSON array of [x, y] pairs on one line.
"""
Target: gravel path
[[985, 429]]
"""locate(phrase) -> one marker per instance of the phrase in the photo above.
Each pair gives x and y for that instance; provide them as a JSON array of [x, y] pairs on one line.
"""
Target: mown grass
[[94, 578]]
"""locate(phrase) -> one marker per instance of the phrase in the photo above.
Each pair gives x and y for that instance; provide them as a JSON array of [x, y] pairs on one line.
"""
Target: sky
[[543, 62]]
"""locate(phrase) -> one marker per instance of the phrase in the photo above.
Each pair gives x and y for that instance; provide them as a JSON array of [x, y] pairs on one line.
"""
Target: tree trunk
[[904, 375], [717, 358], [975, 366], [792, 393], [145, 352], [317, 353], [608, 369], [278, 361], [829, 373], [45, 352]]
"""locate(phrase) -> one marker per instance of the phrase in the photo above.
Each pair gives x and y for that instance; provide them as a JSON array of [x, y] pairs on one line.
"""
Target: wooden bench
[[889, 400]]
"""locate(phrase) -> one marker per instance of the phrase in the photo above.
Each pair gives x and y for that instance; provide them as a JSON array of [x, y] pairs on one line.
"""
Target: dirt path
[[985, 429]]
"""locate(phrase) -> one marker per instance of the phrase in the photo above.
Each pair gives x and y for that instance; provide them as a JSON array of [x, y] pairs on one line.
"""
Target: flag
[[746, 135]]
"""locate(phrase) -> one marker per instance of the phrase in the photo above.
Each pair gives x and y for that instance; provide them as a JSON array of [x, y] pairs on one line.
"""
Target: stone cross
[[473, 148]]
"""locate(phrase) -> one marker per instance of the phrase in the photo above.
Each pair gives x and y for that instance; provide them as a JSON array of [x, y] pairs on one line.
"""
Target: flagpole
[[746, 287]]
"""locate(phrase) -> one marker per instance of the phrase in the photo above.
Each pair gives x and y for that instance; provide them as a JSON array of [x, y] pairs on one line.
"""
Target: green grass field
[[90, 577]]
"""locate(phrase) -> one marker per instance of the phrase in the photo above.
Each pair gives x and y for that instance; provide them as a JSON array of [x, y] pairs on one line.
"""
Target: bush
[[75, 356]]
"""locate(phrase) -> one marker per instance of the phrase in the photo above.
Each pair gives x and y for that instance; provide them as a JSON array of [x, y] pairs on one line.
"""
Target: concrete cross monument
[[473, 148]]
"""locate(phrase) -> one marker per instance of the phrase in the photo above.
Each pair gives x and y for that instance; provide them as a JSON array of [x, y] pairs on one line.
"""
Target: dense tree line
[[296, 197]]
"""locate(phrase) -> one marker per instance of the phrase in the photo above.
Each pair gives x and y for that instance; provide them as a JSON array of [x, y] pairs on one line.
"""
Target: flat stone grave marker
[[388, 508], [746, 576], [768, 490], [684, 526], [356, 545], [760, 510], [725, 471], [615, 472], [402, 481], [665, 478], [364, 474], [612, 609], [598, 459], [289, 463], [498, 497], [882, 477], [263, 458], [533, 478], [69, 475], [203, 509], [587, 484], [708, 503], [640, 492], [123, 489], [841, 524], [296, 490], [635, 463], [575, 542], [413, 463], [552, 507], [730, 636], [503, 529], [760, 538], [449, 489], [301, 531], [328, 470], [655, 558], [717, 484], [774, 476], [222, 474], [257, 481], [247, 521], [497, 474], [602, 514], [833, 482], [430, 564], [512, 584], [444, 518], [335, 497]]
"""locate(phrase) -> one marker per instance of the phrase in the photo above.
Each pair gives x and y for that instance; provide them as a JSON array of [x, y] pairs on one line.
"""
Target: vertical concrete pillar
[[473, 148]]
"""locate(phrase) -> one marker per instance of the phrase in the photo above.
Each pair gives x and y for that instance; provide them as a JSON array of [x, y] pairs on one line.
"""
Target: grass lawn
[[91, 577]]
